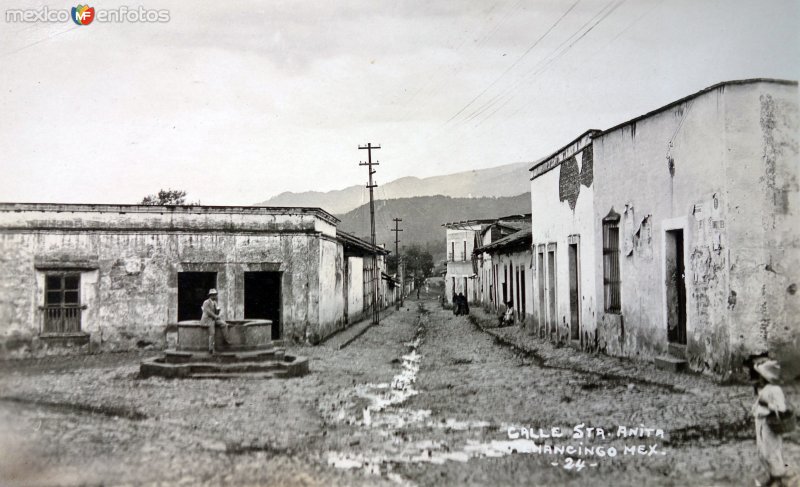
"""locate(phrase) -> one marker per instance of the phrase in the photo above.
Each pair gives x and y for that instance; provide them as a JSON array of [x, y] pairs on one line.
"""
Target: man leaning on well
[[211, 317]]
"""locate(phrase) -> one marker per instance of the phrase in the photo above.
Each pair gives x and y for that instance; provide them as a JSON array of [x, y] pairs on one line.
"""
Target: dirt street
[[425, 398]]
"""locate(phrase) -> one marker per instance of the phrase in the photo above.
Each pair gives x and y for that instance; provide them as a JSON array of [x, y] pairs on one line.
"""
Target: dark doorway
[[574, 294], [551, 290], [522, 285], [192, 291], [675, 287], [518, 307], [505, 285], [262, 298], [542, 311]]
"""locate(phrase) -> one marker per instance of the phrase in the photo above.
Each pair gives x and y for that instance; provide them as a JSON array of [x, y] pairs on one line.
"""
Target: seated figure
[[507, 318]]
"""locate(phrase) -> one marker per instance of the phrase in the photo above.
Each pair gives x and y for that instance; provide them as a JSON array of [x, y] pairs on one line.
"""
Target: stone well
[[251, 353]]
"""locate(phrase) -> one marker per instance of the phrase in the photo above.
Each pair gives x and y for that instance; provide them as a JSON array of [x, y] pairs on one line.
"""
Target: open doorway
[[262, 298], [675, 287], [551, 289], [542, 311], [574, 294], [192, 291]]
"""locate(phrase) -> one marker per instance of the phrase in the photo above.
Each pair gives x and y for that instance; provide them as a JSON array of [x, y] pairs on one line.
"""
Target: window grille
[[62, 303]]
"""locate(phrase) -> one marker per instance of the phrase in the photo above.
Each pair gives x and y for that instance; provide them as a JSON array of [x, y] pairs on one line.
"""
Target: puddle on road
[[383, 416]]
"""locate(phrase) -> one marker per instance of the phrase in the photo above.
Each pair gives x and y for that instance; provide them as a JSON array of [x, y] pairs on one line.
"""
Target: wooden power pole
[[376, 277], [397, 231]]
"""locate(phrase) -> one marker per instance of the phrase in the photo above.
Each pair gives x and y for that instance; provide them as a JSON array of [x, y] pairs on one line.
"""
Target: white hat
[[212, 292], [768, 368]]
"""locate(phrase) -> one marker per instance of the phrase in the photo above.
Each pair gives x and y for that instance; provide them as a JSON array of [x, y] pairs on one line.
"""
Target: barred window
[[611, 275], [62, 303]]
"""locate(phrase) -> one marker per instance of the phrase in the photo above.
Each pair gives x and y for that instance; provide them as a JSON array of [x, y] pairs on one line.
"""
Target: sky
[[237, 101]]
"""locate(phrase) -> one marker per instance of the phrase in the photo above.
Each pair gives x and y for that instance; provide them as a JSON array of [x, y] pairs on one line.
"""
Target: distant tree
[[391, 263], [167, 197], [419, 263]]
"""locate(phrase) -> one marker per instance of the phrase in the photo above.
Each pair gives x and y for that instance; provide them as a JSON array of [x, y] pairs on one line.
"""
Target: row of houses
[[671, 237], [114, 277]]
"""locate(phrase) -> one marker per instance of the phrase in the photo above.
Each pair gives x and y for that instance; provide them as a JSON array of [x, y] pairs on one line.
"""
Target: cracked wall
[[129, 276], [721, 167], [562, 199]]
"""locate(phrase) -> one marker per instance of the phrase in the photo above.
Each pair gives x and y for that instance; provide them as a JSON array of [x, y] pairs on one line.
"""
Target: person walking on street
[[211, 317], [770, 406]]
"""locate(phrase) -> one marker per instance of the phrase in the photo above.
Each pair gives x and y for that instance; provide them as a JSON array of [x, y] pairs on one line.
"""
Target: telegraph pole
[[397, 231], [376, 277]]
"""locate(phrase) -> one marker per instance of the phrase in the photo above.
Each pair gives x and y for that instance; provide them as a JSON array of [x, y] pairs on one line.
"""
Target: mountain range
[[423, 217], [500, 181]]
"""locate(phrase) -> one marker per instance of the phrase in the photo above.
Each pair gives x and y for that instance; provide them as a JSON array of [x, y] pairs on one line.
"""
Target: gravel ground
[[425, 398]]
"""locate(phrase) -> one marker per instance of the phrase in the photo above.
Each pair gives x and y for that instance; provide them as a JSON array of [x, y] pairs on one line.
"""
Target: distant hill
[[507, 180], [423, 218]]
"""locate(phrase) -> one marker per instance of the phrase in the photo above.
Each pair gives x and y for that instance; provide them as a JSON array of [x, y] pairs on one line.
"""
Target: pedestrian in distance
[[773, 417]]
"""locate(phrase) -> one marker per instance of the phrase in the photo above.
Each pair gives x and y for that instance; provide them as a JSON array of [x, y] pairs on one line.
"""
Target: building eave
[[352, 241], [171, 209], [592, 132], [695, 95]]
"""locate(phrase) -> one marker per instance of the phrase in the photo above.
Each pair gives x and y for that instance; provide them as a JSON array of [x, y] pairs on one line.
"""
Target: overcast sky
[[237, 101]]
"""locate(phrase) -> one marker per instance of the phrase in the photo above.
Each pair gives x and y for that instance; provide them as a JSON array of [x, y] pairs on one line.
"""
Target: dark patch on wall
[[764, 321], [570, 177], [772, 150], [643, 238], [767, 122], [568, 182], [732, 299], [587, 166]]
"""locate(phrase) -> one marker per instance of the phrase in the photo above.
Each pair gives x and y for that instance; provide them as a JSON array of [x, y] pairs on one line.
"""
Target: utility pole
[[376, 277], [397, 231]]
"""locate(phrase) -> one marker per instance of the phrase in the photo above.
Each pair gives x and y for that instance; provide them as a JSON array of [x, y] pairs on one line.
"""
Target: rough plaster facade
[[709, 183], [720, 168], [510, 268], [129, 259], [460, 276], [562, 207]]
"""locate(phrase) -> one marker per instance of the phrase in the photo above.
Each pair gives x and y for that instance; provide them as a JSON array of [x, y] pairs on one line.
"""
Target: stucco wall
[[511, 260], [763, 203], [459, 265], [129, 264], [555, 217], [331, 291], [639, 175], [355, 288], [702, 166], [132, 293]]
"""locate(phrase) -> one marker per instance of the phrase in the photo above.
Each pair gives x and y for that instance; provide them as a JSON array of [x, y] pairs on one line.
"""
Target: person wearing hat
[[211, 317], [771, 400]]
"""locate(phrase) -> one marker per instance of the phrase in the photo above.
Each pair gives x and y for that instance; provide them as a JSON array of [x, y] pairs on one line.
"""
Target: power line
[[558, 53], [40, 41], [517, 61], [509, 93], [430, 86]]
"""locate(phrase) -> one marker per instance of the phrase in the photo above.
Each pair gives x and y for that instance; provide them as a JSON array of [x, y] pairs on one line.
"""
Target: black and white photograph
[[401, 243]]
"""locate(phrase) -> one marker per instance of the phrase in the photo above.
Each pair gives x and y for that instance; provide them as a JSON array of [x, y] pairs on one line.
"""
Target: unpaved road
[[425, 398]]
